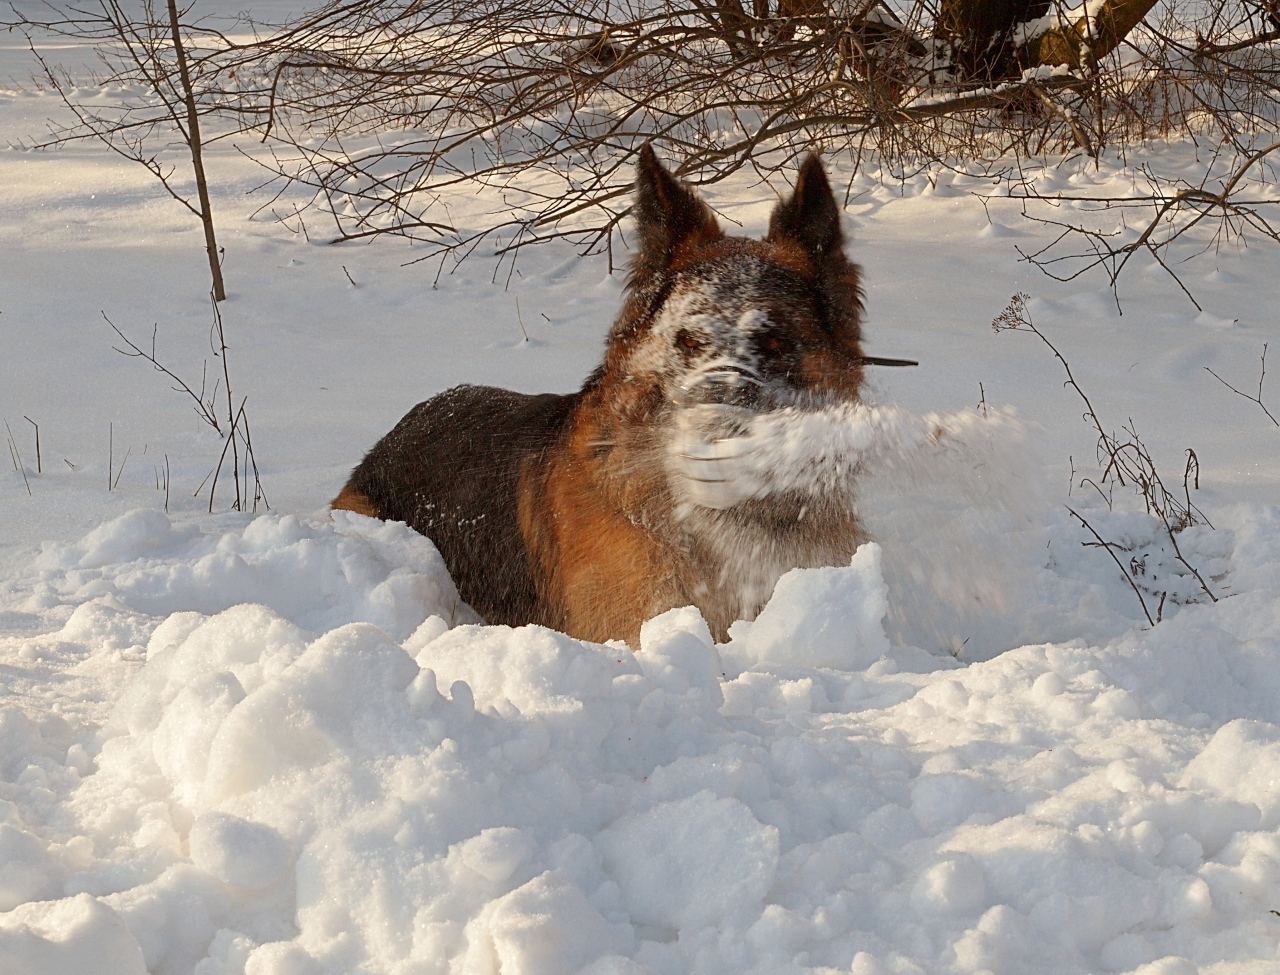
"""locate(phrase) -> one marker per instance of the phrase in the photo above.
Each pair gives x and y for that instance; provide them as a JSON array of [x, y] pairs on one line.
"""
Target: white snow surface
[[278, 743]]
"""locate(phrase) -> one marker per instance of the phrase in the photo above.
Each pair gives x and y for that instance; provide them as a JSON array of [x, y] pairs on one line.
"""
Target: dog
[[592, 512]]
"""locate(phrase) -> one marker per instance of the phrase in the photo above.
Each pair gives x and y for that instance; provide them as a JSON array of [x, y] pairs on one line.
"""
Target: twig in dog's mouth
[[875, 360]]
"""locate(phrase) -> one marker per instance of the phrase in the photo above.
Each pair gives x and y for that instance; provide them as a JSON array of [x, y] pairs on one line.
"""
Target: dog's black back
[[451, 469]]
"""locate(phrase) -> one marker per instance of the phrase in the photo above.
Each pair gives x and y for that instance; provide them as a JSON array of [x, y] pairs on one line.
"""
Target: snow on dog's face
[[719, 331]]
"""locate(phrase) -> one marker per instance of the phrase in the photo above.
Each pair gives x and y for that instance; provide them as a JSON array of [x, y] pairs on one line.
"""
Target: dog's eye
[[773, 345], [686, 341]]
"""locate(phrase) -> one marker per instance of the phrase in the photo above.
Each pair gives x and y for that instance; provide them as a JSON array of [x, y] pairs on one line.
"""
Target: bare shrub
[[1262, 378], [392, 115], [1125, 462], [216, 407]]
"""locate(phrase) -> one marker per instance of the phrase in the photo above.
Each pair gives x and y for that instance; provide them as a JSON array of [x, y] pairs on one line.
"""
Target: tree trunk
[[981, 33], [1088, 37], [197, 159], [990, 39]]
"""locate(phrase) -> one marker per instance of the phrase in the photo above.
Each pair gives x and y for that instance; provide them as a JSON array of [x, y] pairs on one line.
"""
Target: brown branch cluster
[[1233, 201], [389, 117], [385, 113]]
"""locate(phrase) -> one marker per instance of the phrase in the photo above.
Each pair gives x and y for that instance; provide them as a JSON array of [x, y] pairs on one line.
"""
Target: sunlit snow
[[277, 743]]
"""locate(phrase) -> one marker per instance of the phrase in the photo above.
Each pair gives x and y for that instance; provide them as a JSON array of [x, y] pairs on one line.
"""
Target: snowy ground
[[236, 744]]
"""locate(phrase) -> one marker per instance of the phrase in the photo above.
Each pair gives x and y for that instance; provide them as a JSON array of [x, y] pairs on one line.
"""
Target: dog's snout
[[724, 387]]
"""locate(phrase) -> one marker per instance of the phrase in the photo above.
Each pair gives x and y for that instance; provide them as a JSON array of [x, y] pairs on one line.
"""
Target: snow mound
[[318, 573], [830, 617], [439, 796]]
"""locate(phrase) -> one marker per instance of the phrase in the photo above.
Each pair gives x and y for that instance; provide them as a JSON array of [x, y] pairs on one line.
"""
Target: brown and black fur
[[569, 511]]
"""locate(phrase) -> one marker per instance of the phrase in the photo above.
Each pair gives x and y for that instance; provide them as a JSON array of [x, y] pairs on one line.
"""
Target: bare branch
[[1119, 565], [1252, 399], [203, 410]]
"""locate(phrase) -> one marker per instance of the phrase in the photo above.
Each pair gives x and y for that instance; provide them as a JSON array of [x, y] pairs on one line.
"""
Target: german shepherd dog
[[594, 511]]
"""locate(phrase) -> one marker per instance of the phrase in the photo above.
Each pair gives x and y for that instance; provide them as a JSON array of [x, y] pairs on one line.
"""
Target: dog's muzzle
[[715, 412], [723, 387]]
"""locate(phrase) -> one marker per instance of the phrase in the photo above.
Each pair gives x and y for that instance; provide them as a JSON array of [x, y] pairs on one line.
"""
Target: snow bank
[[316, 573], [405, 791]]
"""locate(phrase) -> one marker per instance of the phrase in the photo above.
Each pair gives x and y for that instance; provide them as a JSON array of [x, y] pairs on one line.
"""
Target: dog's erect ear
[[809, 216], [667, 212], [810, 219]]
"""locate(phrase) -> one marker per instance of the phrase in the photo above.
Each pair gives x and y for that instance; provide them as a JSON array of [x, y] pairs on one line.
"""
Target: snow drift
[[276, 791]]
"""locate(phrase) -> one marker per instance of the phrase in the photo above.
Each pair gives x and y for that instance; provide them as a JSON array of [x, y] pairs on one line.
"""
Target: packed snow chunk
[[546, 927], [779, 933], [210, 663], [341, 694], [1242, 762], [429, 629], [25, 868], [1002, 941], [185, 734], [531, 668], [73, 936], [952, 886], [947, 799], [1069, 881], [174, 917], [496, 853], [614, 965], [106, 624], [830, 617], [121, 539], [678, 654], [238, 852], [279, 958], [228, 952], [691, 863]]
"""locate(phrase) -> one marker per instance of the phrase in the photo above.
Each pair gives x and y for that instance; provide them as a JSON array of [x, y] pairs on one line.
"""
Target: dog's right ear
[[667, 214]]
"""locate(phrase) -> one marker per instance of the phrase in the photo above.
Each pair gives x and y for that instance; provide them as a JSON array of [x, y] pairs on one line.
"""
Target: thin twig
[[13, 445], [1252, 399], [520, 319], [1119, 565], [122, 463], [39, 467], [203, 409]]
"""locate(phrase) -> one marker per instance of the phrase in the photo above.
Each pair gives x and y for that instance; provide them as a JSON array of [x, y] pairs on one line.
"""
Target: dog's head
[[756, 324], [719, 331]]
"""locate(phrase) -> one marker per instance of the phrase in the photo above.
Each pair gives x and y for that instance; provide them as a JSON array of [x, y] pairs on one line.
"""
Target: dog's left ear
[[810, 216], [667, 212]]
